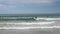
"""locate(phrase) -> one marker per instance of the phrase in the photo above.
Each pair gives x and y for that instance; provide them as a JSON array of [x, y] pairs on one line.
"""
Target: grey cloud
[[26, 1], [12, 3]]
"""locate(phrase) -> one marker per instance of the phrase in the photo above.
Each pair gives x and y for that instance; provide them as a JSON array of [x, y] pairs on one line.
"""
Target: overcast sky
[[29, 6]]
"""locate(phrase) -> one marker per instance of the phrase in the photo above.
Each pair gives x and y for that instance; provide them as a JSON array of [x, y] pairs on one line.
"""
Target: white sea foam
[[47, 18], [29, 23], [41, 27]]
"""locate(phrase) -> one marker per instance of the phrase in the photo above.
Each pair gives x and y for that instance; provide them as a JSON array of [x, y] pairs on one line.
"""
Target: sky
[[29, 6]]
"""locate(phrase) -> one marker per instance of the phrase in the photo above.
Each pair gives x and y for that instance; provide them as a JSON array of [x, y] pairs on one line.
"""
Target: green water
[[26, 16]]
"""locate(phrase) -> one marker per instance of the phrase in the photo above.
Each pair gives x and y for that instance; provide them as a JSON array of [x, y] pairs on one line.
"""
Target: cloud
[[36, 1], [2, 6], [25, 6], [26, 1], [7, 4]]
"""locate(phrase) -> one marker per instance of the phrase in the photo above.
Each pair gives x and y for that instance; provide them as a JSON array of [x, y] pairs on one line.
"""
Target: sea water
[[42, 26]]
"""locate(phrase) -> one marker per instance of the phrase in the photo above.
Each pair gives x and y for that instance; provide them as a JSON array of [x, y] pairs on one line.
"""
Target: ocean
[[30, 24]]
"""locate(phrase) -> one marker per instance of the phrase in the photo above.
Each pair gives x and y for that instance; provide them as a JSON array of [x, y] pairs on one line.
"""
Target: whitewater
[[41, 23]]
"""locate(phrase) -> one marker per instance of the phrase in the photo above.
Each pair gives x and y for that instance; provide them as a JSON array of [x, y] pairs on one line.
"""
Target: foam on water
[[29, 23], [27, 27], [41, 27], [32, 24], [47, 18]]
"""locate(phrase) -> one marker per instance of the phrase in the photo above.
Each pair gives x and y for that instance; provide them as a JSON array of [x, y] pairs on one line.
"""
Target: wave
[[41, 27], [47, 18]]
